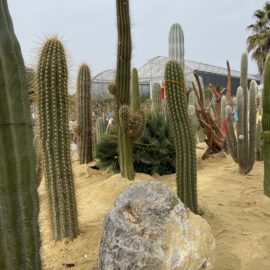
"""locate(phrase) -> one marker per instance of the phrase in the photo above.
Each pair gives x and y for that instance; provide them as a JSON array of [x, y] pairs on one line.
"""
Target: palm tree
[[259, 41]]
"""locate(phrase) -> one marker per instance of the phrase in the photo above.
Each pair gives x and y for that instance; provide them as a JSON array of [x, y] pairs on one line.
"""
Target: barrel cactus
[[84, 115], [19, 203], [186, 174], [54, 132], [156, 98], [266, 126]]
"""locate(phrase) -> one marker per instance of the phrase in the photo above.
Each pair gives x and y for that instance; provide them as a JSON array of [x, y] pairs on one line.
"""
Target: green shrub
[[153, 153]]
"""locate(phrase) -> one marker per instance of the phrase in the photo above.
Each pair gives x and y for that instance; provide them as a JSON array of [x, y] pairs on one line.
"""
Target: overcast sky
[[214, 30]]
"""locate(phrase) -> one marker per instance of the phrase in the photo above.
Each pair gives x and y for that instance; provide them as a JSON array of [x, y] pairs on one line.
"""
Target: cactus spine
[[135, 91], [54, 132], [266, 126], [19, 204], [186, 175], [84, 115], [156, 98], [243, 154], [176, 44]]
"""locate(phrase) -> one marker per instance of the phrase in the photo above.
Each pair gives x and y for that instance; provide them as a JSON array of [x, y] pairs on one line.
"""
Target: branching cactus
[[266, 126], [186, 174], [176, 44], [156, 98], [19, 204], [52, 82], [243, 151], [84, 115], [135, 91]]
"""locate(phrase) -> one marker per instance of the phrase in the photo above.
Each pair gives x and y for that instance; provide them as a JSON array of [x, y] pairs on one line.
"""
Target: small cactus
[[186, 174], [100, 128], [54, 133], [135, 91], [156, 98]]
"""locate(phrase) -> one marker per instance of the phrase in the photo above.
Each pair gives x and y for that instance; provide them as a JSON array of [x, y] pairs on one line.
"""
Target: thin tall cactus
[[122, 92], [135, 91], [84, 115], [186, 174], [19, 203], [54, 132]]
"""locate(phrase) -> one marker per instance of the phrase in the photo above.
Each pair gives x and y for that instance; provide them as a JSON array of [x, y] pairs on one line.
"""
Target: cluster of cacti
[[259, 141], [100, 128], [186, 174], [52, 78], [122, 94], [176, 44], [135, 91], [19, 204], [266, 126], [156, 105], [242, 143], [84, 115]]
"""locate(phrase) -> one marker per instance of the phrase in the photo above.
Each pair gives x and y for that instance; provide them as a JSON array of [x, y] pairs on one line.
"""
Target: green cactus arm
[[252, 126], [19, 203], [231, 138], [135, 91], [186, 175]]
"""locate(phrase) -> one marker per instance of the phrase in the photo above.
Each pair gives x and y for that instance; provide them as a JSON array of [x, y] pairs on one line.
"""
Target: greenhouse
[[153, 71]]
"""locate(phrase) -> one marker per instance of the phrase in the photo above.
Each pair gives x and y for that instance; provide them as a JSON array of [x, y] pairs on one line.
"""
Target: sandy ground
[[234, 206]]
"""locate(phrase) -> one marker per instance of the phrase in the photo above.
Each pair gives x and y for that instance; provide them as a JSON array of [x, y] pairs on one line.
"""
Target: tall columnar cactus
[[135, 91], [243, 151], [176, 44], [52, 82], [244, 85], [122, 94], [19, 204], [186, 174], [266, 126], [100, 128], [156, 98], [84, 115]]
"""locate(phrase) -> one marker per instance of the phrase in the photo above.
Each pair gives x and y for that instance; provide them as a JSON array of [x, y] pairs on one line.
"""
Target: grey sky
[[214, 30]]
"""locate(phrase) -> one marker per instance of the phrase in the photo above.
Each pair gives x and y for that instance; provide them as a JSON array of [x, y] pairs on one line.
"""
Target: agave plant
[[153, 153]]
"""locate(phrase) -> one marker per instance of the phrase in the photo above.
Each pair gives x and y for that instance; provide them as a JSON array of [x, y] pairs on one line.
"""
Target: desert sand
[[233, 205]]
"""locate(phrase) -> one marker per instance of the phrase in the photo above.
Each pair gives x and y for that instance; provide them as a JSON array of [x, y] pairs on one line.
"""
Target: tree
[[259, 41]]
